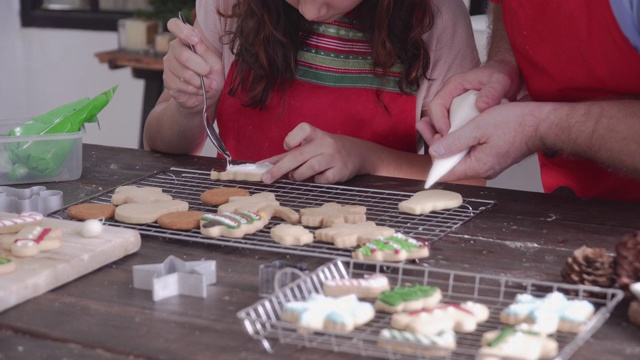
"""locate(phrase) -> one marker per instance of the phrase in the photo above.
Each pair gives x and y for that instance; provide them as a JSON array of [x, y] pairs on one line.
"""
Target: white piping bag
[[463, 108]]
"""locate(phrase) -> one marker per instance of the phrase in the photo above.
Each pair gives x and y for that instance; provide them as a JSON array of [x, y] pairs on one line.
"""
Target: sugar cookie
[[516, 344], [33, 239], [232, 224], [91, 211], [408, 298], [221, 196], [253, 203], [463, 318], [440, 344], [396, 247], [426, 201], [180, 220], [12, 223], [549, 314], [291, 235], [138, 194], [246, 172], [333, 213], [350, 235], [7, 265], [364, 288], [148, 212], [342, 314]]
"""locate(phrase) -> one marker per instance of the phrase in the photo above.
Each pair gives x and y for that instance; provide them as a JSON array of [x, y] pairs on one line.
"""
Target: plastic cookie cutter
[[36, 198], [175, 277], [279, 273]]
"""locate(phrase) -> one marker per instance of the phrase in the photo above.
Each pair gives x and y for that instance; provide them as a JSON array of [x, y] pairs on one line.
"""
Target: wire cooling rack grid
[[263, 322], [382, 208]]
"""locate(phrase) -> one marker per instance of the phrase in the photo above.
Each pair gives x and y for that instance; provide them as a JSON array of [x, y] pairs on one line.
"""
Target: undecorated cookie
[[291, 235], [180, 220], [396, 247], [426, 201], [219, 196], [350, 235], [364, 288], [243, 172], [232, 224], [253, 203], [89, 211], [333, 213], [138, 194], [149, 212]]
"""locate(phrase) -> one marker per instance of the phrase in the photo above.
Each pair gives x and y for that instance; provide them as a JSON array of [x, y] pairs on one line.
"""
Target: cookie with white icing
[[243, 172], [31, 240], [408, 298], [341, 314], [426, 201], [463, 318], [514, 344], [232, 224], [396, 247], [441, 344], [12, 223], [364, 288]]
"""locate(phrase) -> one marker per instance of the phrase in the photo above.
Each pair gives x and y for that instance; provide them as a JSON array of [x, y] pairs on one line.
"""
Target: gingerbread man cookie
[[333, 213], [424, 202], [33, 239], [408, 298], [350, 235], [291, 235], [341, 314], [512, 343], [232, 224], [364, 288], [138, 194], [246, 172], [463, 318], [441, 344], [396, 247]]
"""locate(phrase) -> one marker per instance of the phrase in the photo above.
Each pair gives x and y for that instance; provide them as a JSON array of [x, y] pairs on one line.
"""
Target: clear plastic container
[[41, 158]]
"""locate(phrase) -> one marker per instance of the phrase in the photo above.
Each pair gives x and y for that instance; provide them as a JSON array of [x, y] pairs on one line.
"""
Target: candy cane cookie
[[364, 288], [427, 345], [12, 223], [7, 265]]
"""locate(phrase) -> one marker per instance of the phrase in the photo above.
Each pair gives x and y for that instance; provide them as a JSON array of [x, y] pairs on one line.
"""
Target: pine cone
[[589, 266], [627, 262]]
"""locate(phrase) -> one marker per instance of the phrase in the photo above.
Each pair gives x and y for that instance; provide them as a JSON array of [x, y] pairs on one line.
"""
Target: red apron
[[251, 134], [573, 51]]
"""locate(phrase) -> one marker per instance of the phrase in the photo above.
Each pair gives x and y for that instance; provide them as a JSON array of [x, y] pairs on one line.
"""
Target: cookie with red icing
[[232, 224], [396, 247], [12, 223]]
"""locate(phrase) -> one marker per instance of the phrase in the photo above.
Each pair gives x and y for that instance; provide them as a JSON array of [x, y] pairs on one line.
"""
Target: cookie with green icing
[[514, 343], [396, 247], [408, 298], [232, 224], [7, 265]]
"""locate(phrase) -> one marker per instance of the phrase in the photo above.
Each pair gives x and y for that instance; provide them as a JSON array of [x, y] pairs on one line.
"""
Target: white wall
[[45, 68]]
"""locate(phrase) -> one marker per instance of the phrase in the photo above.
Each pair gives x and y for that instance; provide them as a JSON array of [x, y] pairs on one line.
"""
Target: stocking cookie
[[342, 314], [408, 298], [291, 235], [424, 202], [364, 288], [440, 344], [138, 194], [232, 224], [333, 213], [12, 223], [396, 247], [243, 172], [549, 314], [350, 235], [463, 318], [516, 344], [7, 265]]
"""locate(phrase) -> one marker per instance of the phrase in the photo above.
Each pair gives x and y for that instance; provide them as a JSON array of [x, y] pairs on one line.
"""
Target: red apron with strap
[[574, 51]]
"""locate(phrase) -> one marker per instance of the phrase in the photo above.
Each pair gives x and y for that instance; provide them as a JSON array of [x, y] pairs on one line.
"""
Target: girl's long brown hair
[[268, 35]]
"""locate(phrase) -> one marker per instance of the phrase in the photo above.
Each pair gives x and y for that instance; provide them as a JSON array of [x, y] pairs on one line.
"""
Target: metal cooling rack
[[262, 320], [382, 208]]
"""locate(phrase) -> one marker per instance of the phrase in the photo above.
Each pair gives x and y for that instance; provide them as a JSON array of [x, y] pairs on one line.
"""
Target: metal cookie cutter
[[175, 277], [279, 273], [36, 198]]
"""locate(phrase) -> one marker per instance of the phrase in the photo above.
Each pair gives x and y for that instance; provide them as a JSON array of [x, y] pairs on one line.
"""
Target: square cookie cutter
[[175, 277]]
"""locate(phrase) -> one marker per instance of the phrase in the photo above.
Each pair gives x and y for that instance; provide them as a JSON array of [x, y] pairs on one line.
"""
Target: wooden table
[[148, 67], [101, 316]]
